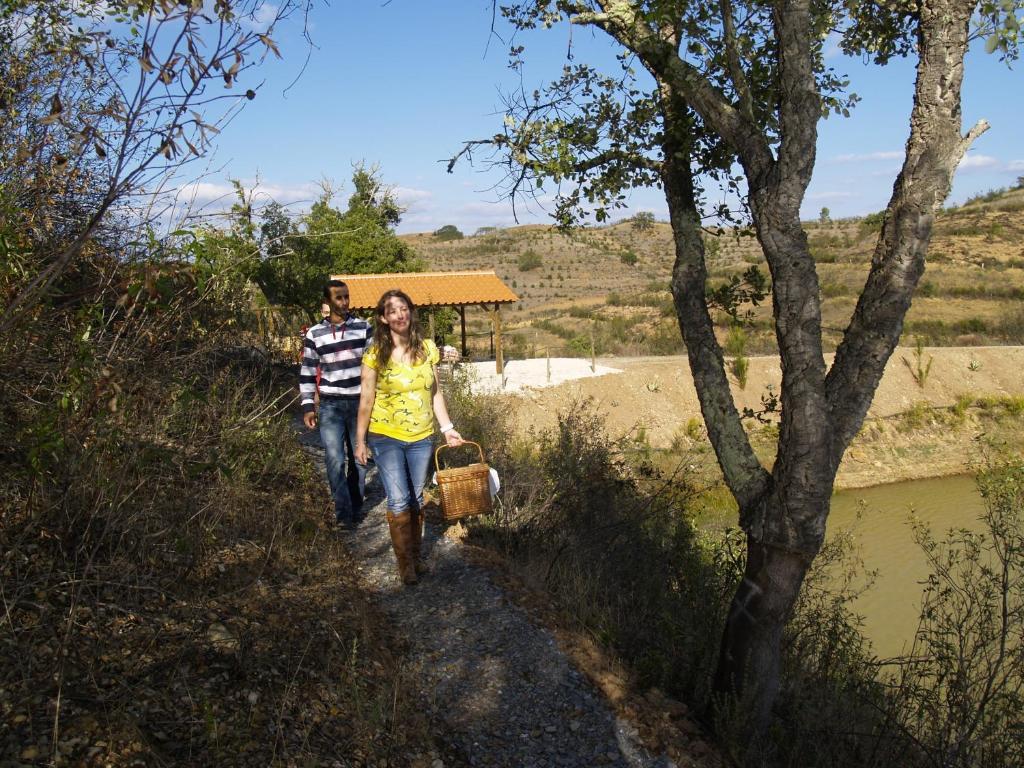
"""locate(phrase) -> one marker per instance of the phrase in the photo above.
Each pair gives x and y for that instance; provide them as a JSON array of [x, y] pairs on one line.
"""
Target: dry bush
[[169, 590]]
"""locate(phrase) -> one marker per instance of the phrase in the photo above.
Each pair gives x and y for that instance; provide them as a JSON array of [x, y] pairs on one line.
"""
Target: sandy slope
[[657, 395]]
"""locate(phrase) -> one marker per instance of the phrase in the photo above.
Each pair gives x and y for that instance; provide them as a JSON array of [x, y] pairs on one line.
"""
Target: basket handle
[[437, 453]]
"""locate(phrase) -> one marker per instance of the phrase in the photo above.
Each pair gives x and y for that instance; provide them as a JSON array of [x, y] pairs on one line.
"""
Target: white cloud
[[261, 17], [411, 198], [832, 48], [1015, 166], [205, 192], [833, 196], [977, 161], [887, 155], [212, 197]]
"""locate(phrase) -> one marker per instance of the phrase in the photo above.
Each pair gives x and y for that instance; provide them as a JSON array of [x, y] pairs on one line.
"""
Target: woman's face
[[396, 315]]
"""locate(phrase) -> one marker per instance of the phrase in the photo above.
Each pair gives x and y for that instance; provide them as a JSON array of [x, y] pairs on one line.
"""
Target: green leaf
[[992, 43]]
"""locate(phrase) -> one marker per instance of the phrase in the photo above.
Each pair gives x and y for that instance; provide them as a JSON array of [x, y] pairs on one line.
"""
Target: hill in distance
[[607, 287]]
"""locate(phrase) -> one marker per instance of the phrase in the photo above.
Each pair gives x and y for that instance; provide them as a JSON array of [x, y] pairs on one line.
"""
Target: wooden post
[[499, 358], [433, 330], [593, 352], [462, 318]]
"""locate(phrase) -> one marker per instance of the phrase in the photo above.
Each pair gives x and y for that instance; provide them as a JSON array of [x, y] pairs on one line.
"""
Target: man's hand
[[362, 453], [453, 438], [309, 419]]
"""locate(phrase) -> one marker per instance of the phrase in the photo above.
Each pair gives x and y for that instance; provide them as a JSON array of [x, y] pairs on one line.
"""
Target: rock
[[221, 638]]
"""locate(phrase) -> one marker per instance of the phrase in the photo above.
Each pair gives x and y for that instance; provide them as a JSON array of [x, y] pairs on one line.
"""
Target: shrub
[[448, 232], [157, 480], [665, 340], [529, 260], [831, 289], [960, 689], [628, 258], [919, 369], [642, 221], [871, 223], [915, 417], [739, 367], [963, 402], [736, 346]]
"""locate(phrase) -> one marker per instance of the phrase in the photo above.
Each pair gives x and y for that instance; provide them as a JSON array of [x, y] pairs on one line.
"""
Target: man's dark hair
[[332, 284]]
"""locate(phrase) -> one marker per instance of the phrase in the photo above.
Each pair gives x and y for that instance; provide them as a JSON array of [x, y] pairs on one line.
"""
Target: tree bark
[[744, 475], [934, 149], [778, 551], [750, 656]]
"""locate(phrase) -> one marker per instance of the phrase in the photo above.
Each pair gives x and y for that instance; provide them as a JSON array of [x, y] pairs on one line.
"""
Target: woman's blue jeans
[[346, 476], [403, 469]]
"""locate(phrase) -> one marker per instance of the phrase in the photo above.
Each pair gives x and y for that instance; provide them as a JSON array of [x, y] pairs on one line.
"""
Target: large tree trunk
[[751, 650], [783, 512]]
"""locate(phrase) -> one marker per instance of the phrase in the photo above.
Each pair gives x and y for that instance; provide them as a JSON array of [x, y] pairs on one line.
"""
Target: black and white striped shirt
[[337, 352]]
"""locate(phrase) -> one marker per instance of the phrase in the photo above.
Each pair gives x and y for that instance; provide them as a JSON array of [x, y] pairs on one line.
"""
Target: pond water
[[880, 519]]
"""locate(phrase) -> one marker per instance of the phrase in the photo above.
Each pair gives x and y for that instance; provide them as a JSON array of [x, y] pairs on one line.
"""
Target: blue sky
[[401, 84]]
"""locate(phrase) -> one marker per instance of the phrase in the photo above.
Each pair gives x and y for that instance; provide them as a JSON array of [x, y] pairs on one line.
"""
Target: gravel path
[[495, 682]]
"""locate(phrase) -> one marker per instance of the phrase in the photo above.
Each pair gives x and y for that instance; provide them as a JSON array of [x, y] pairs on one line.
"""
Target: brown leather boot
[[399, 524], [416, 519]]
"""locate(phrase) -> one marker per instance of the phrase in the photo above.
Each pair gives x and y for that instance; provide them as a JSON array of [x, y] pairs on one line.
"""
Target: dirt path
[[494, 680]]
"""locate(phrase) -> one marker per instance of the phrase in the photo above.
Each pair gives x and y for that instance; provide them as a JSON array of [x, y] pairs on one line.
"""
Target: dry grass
[[170, 592]]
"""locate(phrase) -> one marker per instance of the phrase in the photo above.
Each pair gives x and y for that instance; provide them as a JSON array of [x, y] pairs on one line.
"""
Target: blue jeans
[[337, 434], [403, 469]]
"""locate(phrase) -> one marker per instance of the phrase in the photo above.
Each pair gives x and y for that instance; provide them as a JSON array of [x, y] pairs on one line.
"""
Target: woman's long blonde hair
[[382, 334]]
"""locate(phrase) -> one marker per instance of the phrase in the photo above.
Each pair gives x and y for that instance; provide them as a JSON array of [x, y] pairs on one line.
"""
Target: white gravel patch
[[532, 374]]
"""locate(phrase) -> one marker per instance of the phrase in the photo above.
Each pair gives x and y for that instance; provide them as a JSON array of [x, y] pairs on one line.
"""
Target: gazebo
[[439, 289]]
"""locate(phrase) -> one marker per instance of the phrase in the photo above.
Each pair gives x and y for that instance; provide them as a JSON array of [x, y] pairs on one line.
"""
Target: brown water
[[879, 517]]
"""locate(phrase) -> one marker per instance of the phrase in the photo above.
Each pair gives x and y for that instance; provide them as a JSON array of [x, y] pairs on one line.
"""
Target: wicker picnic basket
[[464, 491]]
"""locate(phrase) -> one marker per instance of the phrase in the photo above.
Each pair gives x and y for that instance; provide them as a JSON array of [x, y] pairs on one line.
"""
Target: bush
[[960, 689], [529, 260], [643, 221], [448, 232], [628, 258], [736, 346], [154, 495], [872, 223]]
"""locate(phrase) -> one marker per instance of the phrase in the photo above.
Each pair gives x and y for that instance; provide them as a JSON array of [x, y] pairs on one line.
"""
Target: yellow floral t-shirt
[[403, 405]]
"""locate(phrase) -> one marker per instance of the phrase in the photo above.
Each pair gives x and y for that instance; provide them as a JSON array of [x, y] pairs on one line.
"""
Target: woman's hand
[[362, 452], [453, 438]]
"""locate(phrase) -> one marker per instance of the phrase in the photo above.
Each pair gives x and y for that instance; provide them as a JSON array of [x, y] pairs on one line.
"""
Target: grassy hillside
[[611, 283]]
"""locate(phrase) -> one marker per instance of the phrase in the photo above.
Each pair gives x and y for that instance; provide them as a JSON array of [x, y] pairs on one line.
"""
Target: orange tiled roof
[[426, 289]]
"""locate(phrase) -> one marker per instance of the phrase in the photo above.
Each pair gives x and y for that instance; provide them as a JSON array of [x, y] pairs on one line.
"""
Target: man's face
[[338, 301]]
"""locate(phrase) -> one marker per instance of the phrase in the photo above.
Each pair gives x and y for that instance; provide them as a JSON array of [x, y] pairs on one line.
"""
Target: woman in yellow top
[[399, 399]]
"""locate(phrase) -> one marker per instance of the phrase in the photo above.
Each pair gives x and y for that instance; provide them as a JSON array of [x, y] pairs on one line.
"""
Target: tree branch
[[744, 475], [622, 21], [800, 105], [735, 66], [934, 149]]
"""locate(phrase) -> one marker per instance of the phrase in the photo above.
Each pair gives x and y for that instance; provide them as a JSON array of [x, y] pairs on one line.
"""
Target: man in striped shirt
[[332, 357]]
